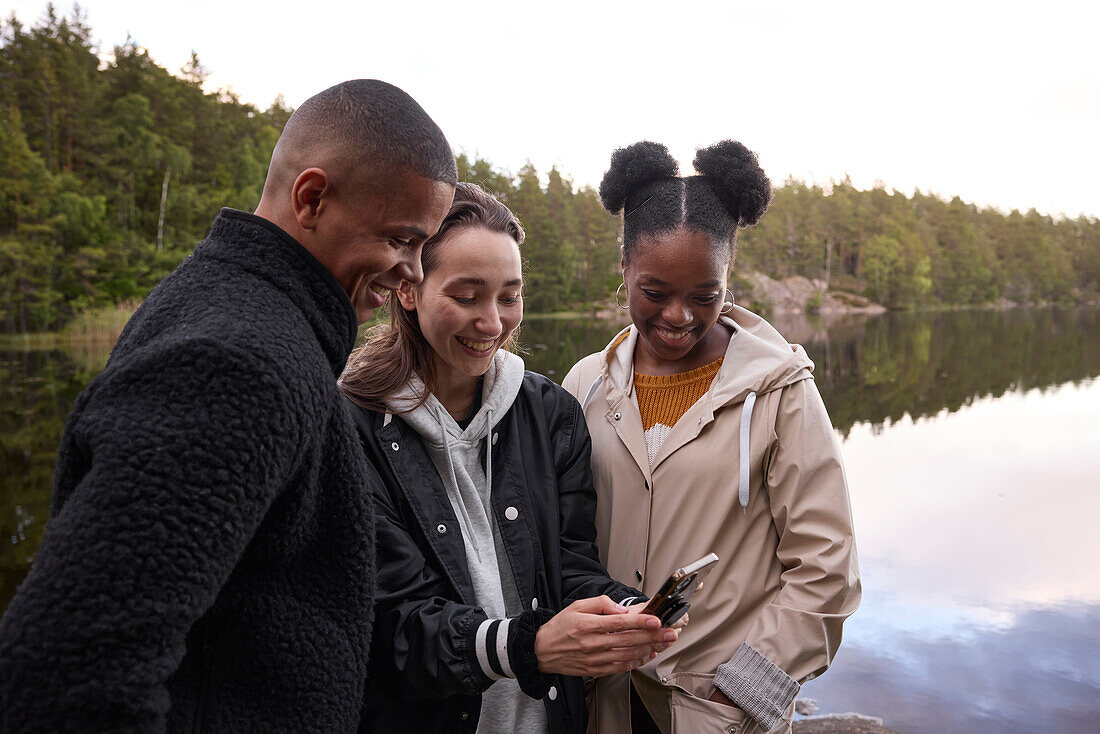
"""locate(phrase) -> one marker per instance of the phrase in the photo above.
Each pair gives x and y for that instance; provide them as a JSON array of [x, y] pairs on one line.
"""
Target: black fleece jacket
[[208, 565]]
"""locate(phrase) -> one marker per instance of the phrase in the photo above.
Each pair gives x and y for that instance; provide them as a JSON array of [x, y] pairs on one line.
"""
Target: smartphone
[[671, 600]]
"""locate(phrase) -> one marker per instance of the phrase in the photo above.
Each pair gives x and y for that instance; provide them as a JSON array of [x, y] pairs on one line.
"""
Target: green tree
[[881, 259], [108, 177]]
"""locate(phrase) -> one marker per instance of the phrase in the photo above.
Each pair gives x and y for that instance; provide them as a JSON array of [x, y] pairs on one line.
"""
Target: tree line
[[111, 171], [921, 250]]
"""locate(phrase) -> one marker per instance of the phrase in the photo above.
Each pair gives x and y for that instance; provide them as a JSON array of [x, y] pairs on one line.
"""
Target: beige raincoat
[[752, 472]]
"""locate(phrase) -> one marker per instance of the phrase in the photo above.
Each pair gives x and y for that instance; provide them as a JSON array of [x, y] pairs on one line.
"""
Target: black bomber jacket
[[424, 672]]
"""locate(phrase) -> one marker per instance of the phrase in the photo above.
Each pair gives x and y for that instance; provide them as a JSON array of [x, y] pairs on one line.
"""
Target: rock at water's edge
[[841, 724], [799, 294]]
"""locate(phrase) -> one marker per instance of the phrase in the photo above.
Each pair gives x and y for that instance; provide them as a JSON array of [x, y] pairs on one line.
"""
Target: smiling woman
[[675, 292], [492, 603], [708, 435], [467, 318], [477, 228]]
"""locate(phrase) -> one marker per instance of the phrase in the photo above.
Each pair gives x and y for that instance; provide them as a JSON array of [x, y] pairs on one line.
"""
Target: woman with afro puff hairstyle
[[709, 435]]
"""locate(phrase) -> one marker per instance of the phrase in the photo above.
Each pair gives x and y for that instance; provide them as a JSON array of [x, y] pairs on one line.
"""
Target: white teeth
[[379, 289], [477, 346], [673, 335]]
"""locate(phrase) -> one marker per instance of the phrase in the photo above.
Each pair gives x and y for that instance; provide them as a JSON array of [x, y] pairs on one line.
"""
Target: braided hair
[[643, 184]]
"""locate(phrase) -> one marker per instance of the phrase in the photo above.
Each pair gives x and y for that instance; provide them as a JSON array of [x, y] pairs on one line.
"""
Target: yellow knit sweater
[[663, 400]]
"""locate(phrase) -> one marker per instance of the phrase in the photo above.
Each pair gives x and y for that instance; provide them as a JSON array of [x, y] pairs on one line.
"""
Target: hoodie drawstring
[[489, 458], [746, 422], [454, 477]]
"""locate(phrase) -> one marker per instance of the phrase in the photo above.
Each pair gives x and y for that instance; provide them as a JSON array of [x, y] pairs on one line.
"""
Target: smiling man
[[208, 565]]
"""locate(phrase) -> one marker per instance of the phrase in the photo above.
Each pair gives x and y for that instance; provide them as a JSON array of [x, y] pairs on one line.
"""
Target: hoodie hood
[[501, 386]]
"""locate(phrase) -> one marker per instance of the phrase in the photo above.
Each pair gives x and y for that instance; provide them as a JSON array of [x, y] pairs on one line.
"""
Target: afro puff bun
[[633, 167], [733, 172]]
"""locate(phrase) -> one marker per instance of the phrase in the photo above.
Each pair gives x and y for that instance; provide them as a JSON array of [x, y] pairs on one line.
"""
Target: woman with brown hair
[[491, 600]]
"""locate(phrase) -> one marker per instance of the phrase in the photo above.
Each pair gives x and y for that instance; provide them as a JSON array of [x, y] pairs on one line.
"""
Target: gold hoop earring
[[727, 305], [617, 292]]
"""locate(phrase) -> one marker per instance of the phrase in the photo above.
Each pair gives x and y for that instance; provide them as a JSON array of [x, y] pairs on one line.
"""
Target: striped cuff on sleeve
[[625, 596], [491, 646]]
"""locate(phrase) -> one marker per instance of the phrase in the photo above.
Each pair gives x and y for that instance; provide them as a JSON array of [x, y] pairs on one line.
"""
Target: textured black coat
[[208, 565], [425, 673]]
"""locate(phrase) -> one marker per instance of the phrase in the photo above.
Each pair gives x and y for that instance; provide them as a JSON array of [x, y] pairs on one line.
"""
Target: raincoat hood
[[758, 360]]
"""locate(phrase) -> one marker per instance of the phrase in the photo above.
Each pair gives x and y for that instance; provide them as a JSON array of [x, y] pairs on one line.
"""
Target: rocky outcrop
[[799, 294], [841, 724]]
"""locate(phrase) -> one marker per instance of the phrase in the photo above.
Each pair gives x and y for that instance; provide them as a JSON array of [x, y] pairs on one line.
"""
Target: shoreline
[[107, 334], [849, 723]]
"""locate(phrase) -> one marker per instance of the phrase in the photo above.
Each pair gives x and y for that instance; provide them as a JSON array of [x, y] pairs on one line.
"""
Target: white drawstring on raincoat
[[746, 421], [591, 392]]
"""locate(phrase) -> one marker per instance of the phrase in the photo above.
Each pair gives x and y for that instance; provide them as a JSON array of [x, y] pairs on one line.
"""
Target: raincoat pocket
[[693, 713]]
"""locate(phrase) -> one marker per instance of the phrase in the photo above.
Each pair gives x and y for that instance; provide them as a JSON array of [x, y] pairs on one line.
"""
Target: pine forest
[[111, 171]]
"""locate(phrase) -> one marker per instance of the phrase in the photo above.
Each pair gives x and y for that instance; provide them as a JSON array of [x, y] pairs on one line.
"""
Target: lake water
[[972, 445]]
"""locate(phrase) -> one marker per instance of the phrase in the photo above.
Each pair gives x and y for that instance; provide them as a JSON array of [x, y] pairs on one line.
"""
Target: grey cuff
[[756, 685]]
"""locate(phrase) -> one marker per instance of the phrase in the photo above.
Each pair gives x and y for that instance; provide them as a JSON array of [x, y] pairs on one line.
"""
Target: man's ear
[[309, 196], [406, 295]]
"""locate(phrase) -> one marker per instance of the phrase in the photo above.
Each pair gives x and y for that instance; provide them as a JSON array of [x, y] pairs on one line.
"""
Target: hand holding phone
[[672, 600]]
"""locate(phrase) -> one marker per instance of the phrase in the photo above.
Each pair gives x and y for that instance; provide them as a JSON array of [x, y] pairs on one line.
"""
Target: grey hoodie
[[468, 476]]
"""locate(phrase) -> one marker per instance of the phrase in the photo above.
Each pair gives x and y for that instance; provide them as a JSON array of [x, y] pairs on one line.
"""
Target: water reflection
[[882, 369], [554, 345], [978, 549], [37, 390], [971, 445], [1038, 675], [1006, 483]]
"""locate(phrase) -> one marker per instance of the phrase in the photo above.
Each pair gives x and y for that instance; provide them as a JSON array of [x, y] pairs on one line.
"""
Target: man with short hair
[[208, 565]]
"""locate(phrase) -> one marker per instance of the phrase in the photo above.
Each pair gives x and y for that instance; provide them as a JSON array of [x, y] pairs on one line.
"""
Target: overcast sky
[[996, 102]]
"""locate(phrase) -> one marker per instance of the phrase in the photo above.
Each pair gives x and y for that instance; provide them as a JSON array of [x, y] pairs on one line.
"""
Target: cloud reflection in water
[[978, 545]]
